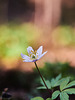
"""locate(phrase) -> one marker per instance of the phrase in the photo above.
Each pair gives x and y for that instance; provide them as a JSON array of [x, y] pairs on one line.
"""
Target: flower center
[[33, 57]]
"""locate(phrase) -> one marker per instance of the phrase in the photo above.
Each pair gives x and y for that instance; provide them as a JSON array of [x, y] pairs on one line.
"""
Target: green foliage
[[59, 86], [53, 83], [51, 70], [40, 98], [15, 38], [64, 92], [47, 82], [41, 87], [37, 98], [64, 36], [71, 84], [70, 91], [10, 40], [55, 94], [64, 83], [64, 96]]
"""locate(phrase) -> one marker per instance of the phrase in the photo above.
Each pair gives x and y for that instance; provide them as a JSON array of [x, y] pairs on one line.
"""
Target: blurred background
[[23, 23]]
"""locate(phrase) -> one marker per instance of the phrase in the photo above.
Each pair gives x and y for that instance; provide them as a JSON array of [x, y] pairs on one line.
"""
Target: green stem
[[42, 78]]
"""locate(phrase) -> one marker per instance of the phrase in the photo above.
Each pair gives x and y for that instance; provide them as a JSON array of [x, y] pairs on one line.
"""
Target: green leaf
[[48, 99], [37, 98], [41, 87], [47, 83], [55, 94], [64, 83], [58, 77], [70, 91], [55, 82], [64, 96], [71, 84], [42, 81], [58, 82]]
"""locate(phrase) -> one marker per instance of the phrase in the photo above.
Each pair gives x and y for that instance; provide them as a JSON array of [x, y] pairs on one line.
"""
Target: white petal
[[25, 56], [27, 60], [39, 51], [42, 55], [29, 49]]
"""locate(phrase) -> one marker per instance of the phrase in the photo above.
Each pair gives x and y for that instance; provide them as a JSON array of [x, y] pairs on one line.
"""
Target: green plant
[[63, 91], [40, 98], [53, 69]]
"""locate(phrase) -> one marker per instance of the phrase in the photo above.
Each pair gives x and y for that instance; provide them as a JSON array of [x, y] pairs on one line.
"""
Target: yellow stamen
[[34, 52]]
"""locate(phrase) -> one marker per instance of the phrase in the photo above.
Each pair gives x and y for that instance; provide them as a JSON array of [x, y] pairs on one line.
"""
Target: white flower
[[33, 55]]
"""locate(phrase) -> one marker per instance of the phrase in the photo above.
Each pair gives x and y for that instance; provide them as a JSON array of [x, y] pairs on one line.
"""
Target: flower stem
[[42, 78]]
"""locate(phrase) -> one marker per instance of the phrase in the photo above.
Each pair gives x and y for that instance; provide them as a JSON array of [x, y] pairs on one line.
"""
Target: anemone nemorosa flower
[[33, 56]]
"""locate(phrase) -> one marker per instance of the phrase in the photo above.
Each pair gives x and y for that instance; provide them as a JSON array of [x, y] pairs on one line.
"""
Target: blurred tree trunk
[[39, 9], [3, 11], [47, 13]]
